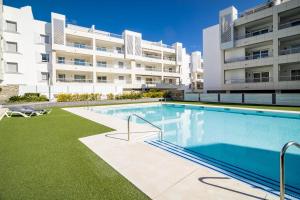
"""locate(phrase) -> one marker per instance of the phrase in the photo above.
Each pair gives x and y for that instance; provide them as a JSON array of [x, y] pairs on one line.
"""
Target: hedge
[[78, 97], [28, 97]]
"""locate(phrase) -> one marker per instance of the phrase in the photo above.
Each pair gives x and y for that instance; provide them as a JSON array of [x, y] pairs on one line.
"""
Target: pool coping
[[87, 141]]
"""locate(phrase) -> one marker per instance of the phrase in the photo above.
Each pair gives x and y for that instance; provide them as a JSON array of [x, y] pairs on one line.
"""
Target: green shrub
[[129, 95], [77, 97], [28, 97], [110, 96], [154, 94]]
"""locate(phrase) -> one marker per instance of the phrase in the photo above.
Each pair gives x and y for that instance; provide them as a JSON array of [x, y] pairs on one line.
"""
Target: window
[[121, 64], [149, 68], [102, 79], [256, 54], [138, 78], [45, 76], [264, 53], [121, 78], [45, 39], [61, 77], [61, 60], [11, 67], [295, 74], [256, 77], [265, 76], [79, 45], [12, 47], [45, 57], [11, 26], [138, 65], [101, 63], [78, 61], [119, 49], [149, 80], [79, 78]]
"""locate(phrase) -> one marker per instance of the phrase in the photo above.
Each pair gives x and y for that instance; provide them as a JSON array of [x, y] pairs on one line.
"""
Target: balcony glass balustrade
[[294, 22], [79, 45], [291, 50], [249, 57], [74, 62]]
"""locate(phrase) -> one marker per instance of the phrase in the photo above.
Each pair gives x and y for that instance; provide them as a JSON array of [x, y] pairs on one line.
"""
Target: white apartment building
[[74, 59], [257, 50], [196, 69]]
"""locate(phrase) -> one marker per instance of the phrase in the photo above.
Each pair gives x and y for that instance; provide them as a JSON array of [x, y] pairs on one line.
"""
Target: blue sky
[[166, 20]]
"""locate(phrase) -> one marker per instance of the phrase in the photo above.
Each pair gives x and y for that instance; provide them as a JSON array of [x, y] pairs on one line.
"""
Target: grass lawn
[[287, 108], [42, 158]]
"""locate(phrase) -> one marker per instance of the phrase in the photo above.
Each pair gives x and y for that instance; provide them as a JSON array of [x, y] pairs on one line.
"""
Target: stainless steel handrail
[[128, 125], [282, 153]]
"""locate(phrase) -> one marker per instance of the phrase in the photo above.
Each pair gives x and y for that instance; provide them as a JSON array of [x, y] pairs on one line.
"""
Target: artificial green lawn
[[287, 108], [42, 158]]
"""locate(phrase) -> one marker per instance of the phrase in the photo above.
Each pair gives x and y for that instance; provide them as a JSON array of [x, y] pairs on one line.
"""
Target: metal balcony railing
[[254, 33], [289, 51], [289, 78], [64, 80], [71, 62], [79, 45], [250, 57], [294, 22]]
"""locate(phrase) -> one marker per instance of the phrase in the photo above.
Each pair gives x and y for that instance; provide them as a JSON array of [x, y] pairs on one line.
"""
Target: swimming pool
[[241, 143]]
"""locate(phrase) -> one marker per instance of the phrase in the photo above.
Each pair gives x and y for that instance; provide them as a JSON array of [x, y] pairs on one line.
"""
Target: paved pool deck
[[159, 174]]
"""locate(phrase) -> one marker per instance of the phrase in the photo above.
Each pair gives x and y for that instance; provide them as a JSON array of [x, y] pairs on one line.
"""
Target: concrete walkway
[[159, 174]]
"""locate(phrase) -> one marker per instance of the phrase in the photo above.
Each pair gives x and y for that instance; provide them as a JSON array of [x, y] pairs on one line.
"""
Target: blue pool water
[[243, 144]]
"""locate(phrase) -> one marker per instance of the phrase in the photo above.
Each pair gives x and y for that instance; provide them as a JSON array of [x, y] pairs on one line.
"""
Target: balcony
[[152, 69], [292, 23], [152, 56], [159, 44], [249, 80], [254, 33], [110, 50], [171, 70], [257, 9], [250, 57], [79, 45], [169, 58], [72, 62], [107, 34], [289, 78], [64, 80], [289, 51], [109, 66]]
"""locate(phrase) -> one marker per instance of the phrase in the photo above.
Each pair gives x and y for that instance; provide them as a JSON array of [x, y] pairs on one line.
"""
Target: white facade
[[76, 56], [212, 59], [196, 68], [259, 49]]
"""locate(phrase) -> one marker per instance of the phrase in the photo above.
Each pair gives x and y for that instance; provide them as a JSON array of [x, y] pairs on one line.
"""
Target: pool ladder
[[128, 125], [282, 153]]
